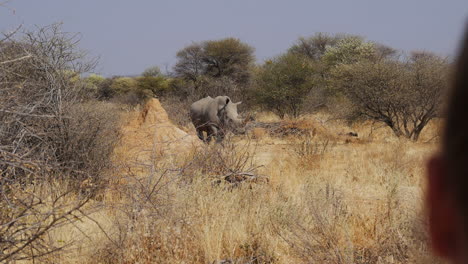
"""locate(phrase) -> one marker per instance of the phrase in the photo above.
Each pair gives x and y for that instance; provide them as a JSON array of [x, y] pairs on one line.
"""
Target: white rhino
[[216, 116]]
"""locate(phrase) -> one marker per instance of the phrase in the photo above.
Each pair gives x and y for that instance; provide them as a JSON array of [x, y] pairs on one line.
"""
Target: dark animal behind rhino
[[216, 116]]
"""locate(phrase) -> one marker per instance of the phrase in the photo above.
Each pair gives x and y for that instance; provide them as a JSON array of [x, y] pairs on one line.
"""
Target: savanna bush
[[53, 137], [405, 95], [177, 109], [133, 90], [282, 84]]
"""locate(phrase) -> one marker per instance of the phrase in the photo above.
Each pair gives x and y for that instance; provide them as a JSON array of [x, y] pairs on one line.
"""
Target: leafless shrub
[[130, 98], [28, 214], [42, 104], [54, 142], [90, 137], [177, 110], [311, 149]]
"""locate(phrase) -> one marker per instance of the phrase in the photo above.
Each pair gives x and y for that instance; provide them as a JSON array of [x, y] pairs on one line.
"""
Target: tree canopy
[[209, 61], [405, 95], [283, 83]]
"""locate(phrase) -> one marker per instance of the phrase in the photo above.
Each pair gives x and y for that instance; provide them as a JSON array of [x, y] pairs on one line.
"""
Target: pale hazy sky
[[130, 36]]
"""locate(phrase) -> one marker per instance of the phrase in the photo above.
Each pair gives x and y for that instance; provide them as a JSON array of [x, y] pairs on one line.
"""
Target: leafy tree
[[155, 85], [153, 71], [95, 79], [349, 50], [405, 95], [209, 63], [123, 85], [190, 65], [228, 57], [314, 47], [428, 79], [180, 88], [385, 52], [93, 82], [134, 89], [104, 91], [284, 82]]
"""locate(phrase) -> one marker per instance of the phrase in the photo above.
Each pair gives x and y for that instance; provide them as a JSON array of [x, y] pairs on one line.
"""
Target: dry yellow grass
[[328, 200]]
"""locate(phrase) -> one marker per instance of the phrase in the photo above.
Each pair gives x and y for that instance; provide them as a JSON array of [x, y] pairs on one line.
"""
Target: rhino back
[[203, 111]]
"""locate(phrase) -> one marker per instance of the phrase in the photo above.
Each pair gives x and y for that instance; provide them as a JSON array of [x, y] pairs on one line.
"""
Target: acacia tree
[[152, 71], [403, 95], [327, 51], [349, 50], [228, 58], [339, 48], [427, 79], [283, 83], [211, 63], [190, 65], [314, 47]]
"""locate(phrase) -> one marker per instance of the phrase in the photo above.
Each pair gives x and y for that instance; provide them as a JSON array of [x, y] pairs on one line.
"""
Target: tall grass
[[325, 201]]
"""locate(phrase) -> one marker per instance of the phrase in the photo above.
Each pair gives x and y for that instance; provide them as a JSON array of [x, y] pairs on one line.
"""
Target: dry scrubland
[[90, 176], [311, 195]]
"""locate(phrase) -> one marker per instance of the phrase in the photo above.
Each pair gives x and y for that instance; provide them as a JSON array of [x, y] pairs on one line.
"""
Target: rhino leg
[[220, 135], [215, 132], [211, 133], [200, 134]]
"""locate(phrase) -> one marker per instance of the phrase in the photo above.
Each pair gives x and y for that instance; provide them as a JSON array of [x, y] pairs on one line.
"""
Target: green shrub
[[283, 83], [157, 86]]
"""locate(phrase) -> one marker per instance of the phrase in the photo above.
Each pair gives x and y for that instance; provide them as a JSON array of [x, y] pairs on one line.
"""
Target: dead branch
[[15, 60]]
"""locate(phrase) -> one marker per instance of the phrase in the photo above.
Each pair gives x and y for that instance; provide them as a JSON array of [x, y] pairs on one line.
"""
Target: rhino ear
[[238, 103], [222, 103]]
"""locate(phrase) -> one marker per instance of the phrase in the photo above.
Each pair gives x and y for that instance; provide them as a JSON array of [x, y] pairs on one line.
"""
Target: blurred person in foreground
[[447, 171]]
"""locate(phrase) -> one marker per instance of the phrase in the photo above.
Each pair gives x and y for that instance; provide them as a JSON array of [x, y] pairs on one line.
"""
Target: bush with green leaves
[[315, 46], [156, 86], [153, 71], [134, 90], [124, 85], [94, 82], [349, 50], [340, 48], [283, 83]]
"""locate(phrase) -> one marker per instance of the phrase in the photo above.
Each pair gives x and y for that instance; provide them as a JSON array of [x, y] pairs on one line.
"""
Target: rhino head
[[229, 117]]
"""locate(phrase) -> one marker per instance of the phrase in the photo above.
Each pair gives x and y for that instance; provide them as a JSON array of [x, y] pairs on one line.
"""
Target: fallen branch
[[238, 177]]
